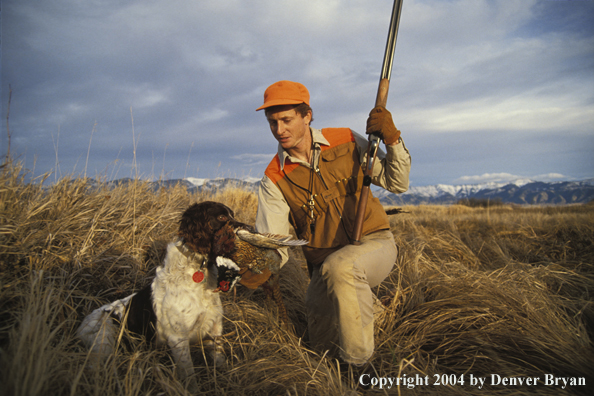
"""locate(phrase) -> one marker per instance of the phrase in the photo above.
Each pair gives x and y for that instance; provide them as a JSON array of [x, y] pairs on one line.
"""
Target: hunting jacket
[[335, 183]]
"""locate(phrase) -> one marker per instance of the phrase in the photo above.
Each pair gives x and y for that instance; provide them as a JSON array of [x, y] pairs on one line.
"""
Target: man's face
[[288, 126]]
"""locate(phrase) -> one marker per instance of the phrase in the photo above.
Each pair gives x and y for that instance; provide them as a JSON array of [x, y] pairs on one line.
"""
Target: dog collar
[[190, 255]]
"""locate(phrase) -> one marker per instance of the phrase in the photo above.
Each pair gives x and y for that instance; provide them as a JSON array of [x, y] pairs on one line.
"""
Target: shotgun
[[381, 100]]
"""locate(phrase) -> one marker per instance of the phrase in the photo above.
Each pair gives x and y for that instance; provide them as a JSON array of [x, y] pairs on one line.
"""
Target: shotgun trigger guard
[[374, 143], [372, 152]]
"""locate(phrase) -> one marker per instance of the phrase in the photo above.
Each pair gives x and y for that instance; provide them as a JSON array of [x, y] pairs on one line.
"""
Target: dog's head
[[208, 228], [200, 222]]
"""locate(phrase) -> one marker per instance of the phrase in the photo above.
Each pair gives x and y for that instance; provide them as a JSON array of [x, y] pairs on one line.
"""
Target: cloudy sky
[[483, 90]]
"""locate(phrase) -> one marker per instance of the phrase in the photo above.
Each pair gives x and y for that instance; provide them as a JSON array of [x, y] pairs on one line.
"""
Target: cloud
[[501, 75], [188, 71], [507, 178], [253, 159], [551, 177], [488, 178]]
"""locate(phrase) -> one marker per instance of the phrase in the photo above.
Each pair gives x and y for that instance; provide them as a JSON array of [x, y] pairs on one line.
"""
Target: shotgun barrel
[[380, 100]]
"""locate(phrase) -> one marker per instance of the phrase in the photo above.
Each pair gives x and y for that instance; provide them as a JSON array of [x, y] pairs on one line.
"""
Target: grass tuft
[[479, 290]]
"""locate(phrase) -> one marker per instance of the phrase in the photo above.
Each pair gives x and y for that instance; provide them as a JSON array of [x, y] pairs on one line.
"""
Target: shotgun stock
[[380, 100]]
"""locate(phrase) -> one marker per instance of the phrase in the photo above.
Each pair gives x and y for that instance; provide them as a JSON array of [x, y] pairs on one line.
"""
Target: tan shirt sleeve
[[273, 213], [391, 170]]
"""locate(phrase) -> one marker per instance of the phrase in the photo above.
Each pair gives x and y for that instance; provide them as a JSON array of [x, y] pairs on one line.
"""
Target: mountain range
[[523, 192]]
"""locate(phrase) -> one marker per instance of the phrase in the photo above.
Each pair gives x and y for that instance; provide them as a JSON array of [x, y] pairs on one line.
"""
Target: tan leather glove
[[380, 122]]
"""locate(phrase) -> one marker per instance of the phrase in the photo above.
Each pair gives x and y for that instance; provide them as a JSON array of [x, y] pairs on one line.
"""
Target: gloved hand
[[380, 122]]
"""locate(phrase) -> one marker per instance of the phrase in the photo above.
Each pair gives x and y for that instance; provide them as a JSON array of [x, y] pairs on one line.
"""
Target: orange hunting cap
[[285, 93]]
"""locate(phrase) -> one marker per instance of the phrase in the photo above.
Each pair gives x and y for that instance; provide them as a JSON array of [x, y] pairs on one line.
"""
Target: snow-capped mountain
[[250, 184], [521, 191], [195, 184]]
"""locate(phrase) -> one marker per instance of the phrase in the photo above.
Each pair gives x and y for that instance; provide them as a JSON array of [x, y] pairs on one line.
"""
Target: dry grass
[[504, 290]]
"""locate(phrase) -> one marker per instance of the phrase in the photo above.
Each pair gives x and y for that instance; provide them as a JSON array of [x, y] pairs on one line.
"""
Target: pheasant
[[257, 257]]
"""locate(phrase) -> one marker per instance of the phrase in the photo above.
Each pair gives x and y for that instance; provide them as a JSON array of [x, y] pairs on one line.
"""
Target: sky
[[482, 90]]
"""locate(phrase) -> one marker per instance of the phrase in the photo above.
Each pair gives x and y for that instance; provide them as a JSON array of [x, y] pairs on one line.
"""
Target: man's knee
[[336, 272]]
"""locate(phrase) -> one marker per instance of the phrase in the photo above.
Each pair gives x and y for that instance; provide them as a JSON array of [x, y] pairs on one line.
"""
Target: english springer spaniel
[[182, 305]]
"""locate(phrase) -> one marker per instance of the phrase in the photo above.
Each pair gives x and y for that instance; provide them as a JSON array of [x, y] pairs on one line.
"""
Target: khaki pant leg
[[321, 319], [339, 300]]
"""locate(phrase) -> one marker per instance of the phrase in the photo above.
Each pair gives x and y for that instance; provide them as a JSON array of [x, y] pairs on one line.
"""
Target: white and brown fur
[[174, 309]]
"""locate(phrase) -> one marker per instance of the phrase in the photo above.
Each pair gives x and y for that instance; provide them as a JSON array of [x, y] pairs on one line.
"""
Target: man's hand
[[380, 122]]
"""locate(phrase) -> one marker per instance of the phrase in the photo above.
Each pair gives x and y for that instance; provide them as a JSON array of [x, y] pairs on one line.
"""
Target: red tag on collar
[[198, 277]]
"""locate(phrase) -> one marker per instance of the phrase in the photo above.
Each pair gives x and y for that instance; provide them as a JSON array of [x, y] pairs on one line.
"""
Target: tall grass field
[[481, 301]]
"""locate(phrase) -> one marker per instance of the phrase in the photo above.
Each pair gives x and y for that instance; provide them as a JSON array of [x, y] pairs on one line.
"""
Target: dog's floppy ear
[[195, 230]]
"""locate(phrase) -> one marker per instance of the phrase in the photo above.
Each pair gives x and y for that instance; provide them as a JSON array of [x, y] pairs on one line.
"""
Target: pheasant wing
[[269, 241]]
